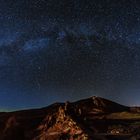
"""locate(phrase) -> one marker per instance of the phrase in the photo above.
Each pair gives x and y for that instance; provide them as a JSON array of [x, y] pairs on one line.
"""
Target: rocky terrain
[[93, 118]]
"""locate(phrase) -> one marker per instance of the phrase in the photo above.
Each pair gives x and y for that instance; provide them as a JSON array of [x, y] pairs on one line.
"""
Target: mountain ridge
[[84, 119]]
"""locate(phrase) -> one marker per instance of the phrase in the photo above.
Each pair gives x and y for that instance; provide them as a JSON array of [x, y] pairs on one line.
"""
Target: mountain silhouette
[[92, 118]]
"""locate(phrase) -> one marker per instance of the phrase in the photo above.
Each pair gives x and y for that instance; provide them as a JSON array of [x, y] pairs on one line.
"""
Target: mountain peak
[[91, 118]]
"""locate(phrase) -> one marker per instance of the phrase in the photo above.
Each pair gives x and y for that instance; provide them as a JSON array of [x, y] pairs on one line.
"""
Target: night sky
[[59, 50]]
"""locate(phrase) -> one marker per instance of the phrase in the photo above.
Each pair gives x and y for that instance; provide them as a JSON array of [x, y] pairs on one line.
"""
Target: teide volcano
[[88, 119]]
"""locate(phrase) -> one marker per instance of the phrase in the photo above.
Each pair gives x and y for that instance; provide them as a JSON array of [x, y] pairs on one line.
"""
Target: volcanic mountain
[[93, 118]]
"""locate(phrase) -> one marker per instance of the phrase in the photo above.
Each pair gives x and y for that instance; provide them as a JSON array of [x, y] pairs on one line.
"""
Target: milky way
[[54, 50]]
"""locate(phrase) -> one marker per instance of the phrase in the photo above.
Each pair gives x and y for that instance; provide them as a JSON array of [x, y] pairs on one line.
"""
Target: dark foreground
[[90, 119]]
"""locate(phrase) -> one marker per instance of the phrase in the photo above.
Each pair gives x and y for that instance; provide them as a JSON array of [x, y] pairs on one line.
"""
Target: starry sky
[[54, 51]]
